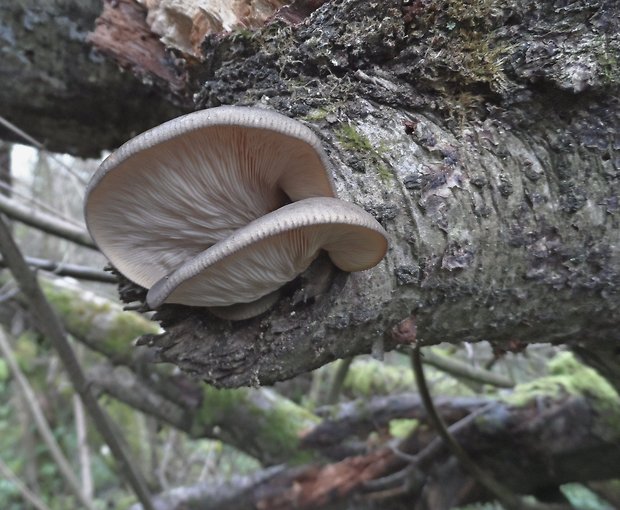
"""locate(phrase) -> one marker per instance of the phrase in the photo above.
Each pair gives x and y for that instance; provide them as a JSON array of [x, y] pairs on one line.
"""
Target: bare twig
[[26, 493], [465, 371], [41, 423], [49, 324], [12, 127], [338, 380], [72, 270], [13, 192], [162, 471], [82, 445], [504, 495], [81, 432], [45, 222]]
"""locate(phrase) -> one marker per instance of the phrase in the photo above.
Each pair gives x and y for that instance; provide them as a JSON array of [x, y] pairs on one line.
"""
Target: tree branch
[[45, 222], [72, 270], [504, 495], [463, 370], [51, 328], [26, 493], [363, 416]]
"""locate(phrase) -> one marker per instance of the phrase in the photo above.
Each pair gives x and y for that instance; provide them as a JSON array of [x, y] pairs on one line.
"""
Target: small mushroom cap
[[171, 192], [272, 250]]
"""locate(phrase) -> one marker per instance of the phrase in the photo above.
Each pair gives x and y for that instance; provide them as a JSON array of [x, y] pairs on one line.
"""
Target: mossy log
[[483, 136], [257, 421], [559, 429]]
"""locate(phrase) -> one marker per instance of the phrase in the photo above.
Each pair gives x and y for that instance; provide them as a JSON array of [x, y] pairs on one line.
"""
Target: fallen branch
[[490, 433], [257, 421], [361, 417], [504, 495], [461, 370]]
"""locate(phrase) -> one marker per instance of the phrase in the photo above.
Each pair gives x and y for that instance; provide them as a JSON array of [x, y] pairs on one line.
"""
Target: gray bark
[[484, 140]]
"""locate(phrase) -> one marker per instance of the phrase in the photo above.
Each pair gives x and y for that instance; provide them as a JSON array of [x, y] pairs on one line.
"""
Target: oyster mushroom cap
[[260, 257], [168, 194]]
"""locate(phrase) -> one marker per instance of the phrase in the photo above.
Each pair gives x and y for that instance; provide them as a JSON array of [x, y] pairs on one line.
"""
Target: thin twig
[[72, 270], [418, 460], [338, 380], [462, 370], [25, 136], [45, 222], [81, 433], [41, 424], [504, 495], [50, 326], [26, 493], [82, 445], [14, 192]]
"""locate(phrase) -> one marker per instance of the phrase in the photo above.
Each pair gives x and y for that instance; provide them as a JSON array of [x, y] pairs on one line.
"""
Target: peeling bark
[[121, 31], [60, 90]]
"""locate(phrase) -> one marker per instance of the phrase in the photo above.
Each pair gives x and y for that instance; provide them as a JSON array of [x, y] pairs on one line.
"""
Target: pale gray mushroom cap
[[171, 192], [272, 250]]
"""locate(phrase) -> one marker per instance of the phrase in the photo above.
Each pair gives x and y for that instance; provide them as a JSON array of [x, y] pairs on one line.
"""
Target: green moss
[[567, 376], [608, 62], [273, 430], [384, 172], [126, 327], [352, 139], [282, 427], [82, 317], [467, 48], [217, 403], [317, 115], [402, 428], [371, 377]]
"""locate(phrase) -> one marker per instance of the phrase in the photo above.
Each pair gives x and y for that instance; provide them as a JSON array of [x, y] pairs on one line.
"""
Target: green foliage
[[583, 498], [567, 376], [401, 428], [10, 498], [4, 373]]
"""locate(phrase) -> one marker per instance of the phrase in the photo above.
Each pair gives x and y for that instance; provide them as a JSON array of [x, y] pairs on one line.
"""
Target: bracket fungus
[[221, 207]]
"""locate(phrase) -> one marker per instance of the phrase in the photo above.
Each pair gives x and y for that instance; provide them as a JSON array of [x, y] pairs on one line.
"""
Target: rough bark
[[61, 91], [493, 168]]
